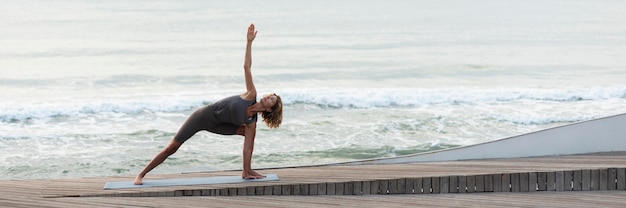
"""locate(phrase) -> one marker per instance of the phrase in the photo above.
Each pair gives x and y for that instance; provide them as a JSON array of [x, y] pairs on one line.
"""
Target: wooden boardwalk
[[560, 181]]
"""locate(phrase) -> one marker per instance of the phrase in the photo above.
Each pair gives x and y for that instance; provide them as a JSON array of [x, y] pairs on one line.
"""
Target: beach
[[96, 89]]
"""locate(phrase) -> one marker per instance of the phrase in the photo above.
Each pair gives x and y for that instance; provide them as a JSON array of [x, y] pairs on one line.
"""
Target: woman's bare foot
[[258, 175], [138, 181], [245, 175], [251, 175]]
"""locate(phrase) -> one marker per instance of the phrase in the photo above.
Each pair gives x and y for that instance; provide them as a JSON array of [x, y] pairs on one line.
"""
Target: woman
[[235, 115]]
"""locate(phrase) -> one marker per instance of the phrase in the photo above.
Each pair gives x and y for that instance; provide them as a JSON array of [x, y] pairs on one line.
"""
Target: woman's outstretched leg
[[171, 148], [186, 131]]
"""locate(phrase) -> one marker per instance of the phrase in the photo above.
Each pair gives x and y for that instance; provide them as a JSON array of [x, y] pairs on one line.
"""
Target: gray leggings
[[203, 119]]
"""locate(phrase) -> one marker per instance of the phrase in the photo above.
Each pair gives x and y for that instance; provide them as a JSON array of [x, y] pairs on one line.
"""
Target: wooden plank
[[418, 186], [505, 182], [190, 192], [471, 184], [515, 182], [523, 182], [383, 186], [497, 182], [374, 187], [612, 179], [348, 188], [586, 180], [321, 188], [393, 186], [287, 190], [358, 188], [480, 183], [621, 178], [595, 179], [444, 184], [426, 185], [339, 187], [170, 193], [268, 190], [366, 187], [435, 185], [560, 181], [577, 181], [569, 180], [304, 188], [330, 189], [313, 189], [488, 183], [409, 185], [454, 187], [218, 192], [542, 181], [462, 184], [277, 190], [551, 181], [250, 192], [532, 181], [604, 177], [296, 189], [242, 191], [401, 189]]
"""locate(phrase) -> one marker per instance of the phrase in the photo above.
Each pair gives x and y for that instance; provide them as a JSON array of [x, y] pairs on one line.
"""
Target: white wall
[[600, 135]]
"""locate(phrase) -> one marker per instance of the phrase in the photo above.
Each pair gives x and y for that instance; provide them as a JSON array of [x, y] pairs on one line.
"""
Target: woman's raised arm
[[250, 93]]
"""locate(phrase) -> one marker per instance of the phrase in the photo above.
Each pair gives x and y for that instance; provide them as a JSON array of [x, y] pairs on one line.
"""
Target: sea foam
[[322, 98]]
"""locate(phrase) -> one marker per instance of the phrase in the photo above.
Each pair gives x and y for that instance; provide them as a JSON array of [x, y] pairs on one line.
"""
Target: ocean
[[97, 88]]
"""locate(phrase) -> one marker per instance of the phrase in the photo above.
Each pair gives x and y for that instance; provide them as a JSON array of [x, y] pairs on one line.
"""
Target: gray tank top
[[233, 110]]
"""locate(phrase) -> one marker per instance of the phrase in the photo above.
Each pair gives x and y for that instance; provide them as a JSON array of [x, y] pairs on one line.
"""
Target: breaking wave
[[322, 98]]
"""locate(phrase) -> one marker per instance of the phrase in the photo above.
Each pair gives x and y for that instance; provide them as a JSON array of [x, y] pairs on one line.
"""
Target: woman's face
[[269, 100]]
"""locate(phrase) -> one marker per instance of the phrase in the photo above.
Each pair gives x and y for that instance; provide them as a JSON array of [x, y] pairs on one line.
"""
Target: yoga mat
[[187, 181]]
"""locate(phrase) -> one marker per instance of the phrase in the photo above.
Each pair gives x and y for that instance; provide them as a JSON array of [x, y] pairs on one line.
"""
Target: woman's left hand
[[251, 33]]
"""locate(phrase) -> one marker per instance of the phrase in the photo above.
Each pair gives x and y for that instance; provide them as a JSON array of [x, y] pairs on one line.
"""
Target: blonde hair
[[275, 117]]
